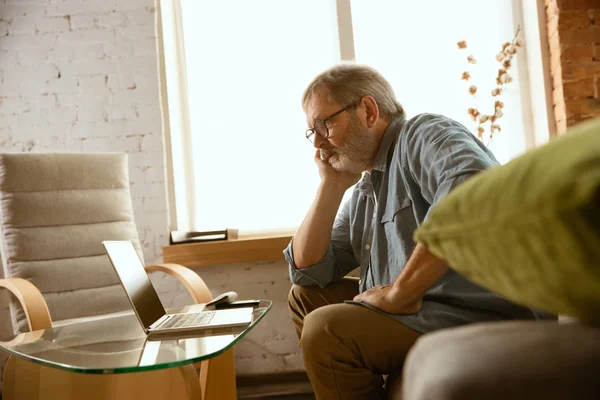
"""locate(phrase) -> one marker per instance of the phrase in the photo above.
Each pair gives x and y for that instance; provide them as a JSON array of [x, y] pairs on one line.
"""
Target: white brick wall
[[70, 80], [81, 75], [272, 346]]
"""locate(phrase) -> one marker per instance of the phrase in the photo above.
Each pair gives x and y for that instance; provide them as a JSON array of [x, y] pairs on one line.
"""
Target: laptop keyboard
[[187, 320]]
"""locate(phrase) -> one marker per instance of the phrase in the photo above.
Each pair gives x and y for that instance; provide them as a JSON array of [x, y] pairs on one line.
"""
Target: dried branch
[[504, 57]]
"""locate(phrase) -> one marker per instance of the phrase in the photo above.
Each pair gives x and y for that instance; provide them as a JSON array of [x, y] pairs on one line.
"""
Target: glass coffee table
[[118, 348]]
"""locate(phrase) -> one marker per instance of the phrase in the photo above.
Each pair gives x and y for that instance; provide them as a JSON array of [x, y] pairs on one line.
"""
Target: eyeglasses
[[320, 127]]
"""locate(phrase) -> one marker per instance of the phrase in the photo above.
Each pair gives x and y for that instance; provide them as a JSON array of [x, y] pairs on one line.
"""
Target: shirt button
[[368, 246]]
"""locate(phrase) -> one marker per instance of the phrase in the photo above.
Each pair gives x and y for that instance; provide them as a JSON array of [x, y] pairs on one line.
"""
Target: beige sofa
[[503, 360]]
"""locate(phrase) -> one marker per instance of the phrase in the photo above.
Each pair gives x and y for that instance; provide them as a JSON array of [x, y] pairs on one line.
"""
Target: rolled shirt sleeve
[[335, 264], [317, 274]]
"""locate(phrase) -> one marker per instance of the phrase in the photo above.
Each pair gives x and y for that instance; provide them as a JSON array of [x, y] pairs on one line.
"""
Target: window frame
[[537, 111]]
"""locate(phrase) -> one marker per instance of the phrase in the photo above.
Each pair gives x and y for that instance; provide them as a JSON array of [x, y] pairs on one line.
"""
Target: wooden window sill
[[227, 251]]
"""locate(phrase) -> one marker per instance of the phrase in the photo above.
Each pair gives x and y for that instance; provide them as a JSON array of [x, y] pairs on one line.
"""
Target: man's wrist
[[396, 294], [333, 187], [404, 297]]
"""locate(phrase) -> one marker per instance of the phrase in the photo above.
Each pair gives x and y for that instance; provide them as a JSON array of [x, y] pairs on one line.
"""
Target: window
[[422, 61], [236, 69]]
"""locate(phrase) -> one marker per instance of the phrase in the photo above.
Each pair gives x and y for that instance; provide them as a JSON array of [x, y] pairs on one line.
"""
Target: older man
[[354, 331]]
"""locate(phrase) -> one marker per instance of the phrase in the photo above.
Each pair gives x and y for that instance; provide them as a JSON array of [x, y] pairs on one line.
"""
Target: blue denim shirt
[[419, 161]]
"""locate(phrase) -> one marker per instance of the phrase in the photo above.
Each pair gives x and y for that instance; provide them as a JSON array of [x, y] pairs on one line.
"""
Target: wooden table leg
[[24, 380], [217, 377]]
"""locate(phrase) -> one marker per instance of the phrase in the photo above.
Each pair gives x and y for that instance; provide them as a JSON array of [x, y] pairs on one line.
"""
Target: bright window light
[[248, 63], [244, 163], [416, 49]]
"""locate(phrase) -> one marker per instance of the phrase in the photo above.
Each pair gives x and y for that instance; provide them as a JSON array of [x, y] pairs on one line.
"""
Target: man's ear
[[371, 110]]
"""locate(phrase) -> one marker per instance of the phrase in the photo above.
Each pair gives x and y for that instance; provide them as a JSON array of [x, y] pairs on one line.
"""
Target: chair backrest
[[55, 211]]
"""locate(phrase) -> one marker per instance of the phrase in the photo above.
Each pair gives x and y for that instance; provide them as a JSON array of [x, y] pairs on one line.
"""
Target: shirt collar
[[365, 185], [389, 137]]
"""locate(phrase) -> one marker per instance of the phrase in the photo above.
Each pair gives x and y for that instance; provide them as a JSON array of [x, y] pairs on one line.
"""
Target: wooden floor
[[296, 389], [282, 386], [282, 397], [279, 397], [268, 397], [293, 397], [277, 392]]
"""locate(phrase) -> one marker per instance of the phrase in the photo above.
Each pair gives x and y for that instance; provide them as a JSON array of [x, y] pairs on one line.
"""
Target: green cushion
[[529, 230]]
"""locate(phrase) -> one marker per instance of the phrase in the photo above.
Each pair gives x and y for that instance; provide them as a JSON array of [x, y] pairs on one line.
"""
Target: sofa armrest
[[505, 360], [32, 301], [192, 282]]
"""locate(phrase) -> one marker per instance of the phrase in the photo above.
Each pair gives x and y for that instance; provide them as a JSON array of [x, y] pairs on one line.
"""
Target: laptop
[[147, 306]]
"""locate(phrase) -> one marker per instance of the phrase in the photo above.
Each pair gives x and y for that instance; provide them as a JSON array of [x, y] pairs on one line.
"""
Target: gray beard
[[358, 151]]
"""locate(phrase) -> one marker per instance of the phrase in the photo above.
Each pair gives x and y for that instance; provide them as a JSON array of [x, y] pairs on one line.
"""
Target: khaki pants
[[346, 348]]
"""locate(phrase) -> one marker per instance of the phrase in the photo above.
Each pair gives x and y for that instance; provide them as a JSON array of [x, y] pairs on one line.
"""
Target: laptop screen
[[135, 281]]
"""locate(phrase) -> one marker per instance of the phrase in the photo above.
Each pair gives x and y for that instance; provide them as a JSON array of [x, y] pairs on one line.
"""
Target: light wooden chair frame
[[25, 380]]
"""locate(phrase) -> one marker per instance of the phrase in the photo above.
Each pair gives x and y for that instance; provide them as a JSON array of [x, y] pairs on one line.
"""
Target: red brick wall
[[574, 37]]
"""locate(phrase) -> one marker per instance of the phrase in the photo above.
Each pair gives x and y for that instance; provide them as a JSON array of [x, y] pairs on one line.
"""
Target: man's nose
[[318, 141]]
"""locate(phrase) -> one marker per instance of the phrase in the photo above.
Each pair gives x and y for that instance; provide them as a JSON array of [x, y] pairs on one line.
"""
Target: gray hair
[[348, 82]]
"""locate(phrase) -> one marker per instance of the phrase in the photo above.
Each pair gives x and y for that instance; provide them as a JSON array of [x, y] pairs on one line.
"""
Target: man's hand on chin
[[330, 176], [390, 300]]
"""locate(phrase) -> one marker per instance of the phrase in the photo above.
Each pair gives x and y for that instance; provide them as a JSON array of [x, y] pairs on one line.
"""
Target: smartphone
[[238, 304]]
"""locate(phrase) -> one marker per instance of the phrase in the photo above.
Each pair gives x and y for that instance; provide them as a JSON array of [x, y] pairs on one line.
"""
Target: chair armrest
[[192, 282], [32, 301]]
